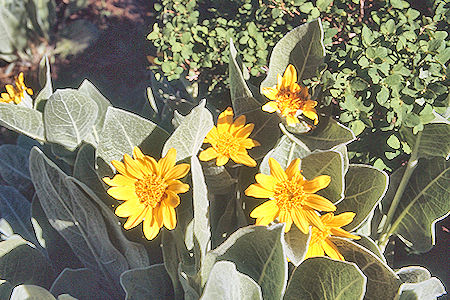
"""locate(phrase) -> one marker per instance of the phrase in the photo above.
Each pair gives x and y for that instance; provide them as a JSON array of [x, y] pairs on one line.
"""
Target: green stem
[[410, 167]]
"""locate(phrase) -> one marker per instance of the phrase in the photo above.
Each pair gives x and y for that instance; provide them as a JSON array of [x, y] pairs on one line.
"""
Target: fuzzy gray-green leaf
[[226, 283], [88, 89], [302, 47], [30, 292], [122, 131], [14, 168], [324, 278], [189, 136], [296, 243], [69, 117], [382, 282], [23, 120], [433, 140], [365, 186]]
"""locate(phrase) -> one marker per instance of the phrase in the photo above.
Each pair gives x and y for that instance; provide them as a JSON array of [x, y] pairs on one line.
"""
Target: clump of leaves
[[68, 229]]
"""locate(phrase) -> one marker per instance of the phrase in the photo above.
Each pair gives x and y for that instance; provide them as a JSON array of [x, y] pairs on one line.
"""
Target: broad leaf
[[23, 120], [15, 209], [284, 152], [370, 245], [123, 131], [226, 283], [69, 117], [328, 163], [296, 243], [325, 278], [88, 89], [30, 292], [58, 250], [365, 186], [266, 130], [10, 32], [78, 220], [382, 282], [84, 169], [21, 263], [171, 259], [424, 202], [418, 284], [79, 283], [189, 136], [5, 289], [45, 80], [327, 135], [302, 47], [257, 251], [202, 230], [151, 282], [217, 178], [433, 140], [14, 168]]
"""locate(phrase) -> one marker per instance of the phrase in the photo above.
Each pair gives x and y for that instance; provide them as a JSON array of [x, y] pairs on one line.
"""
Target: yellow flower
[[292, 197], [289, 98], [16, 94], [230, 140], [320, 243], [149, 189]]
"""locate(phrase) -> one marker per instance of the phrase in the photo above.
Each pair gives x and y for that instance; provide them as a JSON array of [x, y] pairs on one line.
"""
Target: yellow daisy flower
[[149, 189], [320, 243], [292, 198], [16, 94], [230, 140], [289, 98]]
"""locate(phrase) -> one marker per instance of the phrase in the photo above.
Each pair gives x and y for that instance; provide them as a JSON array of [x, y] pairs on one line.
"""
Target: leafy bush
[[386, 67], [67, 240]]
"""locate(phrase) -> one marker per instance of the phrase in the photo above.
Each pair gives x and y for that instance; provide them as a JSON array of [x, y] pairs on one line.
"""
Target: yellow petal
[[290, 76], [245, 131], [276, 170], [179, 171], [169, 216], [279, 81], [267, 209], [208, 154], [150, 226], [292, 120], [318, 183], [135, 219], [129, 208], [222, 160], [249, 143], [123, 192], [243, 158], [120, 167], [343, 233], [167, 162], [151, 164], [341, 219], [293, 168], [331, 250], [257, 191], [133, 167], [212, 136], [311, 115], [315, 250], [238, 124], [300, 220], [266, 181], [172, 199], [270, 93], [10, 89], [158, 216], [313, 218], [270, 107], [177, 187], [137, 153], [225, 120], [285, 217], [319, 203], [120, 180]]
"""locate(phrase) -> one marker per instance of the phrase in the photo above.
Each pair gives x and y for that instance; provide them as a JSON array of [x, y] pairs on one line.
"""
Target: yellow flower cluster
[[150, 189], [16, 94]]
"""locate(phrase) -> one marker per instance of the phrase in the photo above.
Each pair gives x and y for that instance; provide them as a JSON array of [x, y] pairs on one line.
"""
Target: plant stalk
[[410, 167]]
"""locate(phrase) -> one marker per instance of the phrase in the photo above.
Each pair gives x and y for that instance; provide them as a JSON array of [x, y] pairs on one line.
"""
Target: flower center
[[227, 144], [151, 190], [289, 194], [289, 102]]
